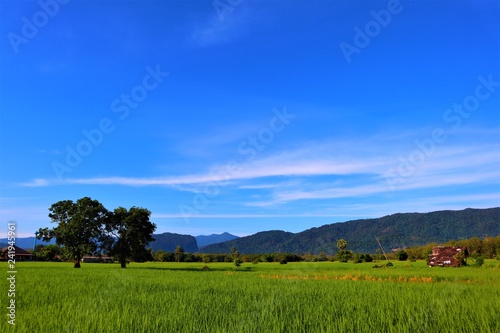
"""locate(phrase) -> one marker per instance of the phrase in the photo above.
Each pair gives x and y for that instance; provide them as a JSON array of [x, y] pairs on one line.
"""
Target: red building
[[447, 256], [21, 254]]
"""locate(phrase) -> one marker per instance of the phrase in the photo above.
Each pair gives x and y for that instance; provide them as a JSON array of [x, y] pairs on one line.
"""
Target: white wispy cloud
[[331, 171]]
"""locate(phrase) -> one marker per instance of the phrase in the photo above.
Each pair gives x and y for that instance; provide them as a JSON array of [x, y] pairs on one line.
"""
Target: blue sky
[[244, 116]]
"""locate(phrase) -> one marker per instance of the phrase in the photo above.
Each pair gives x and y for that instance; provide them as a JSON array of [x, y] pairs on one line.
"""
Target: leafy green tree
[[237, 262], [266, 258], [236, 257], [234, 253], [179, 253], [48, 252], [344, 256], [401, 255], [128, 232], [358, 258], [80, 226], [368, 258]]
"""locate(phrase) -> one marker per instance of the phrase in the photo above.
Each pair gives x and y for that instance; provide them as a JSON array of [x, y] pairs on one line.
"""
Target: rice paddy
[[264, 297]]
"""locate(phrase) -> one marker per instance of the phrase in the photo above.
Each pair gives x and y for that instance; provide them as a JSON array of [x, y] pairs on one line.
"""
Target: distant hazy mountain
[[213, 239], [166, 241], [169, 241], [394, 231], [26, 243], [261, 242]]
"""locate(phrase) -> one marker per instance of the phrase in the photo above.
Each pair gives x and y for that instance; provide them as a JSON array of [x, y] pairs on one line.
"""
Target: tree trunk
[[77, 262], [123, 262]]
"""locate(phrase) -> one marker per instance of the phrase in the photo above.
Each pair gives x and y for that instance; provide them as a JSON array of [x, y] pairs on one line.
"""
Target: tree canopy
[[80, 226], [86, 226], [128, 234]]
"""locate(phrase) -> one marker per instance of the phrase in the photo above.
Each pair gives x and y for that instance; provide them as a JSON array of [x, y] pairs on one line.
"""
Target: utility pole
[[381, 248]]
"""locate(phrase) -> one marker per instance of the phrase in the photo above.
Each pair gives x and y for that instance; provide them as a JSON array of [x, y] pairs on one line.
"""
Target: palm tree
[[179, 253], [342, 244]]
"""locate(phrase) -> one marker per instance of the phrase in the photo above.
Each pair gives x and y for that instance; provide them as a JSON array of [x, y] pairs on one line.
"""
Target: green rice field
[[264, 297]]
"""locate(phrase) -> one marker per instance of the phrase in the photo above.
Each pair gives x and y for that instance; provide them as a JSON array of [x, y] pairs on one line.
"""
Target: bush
[[283, 262], [389, 264], [479, 261], [358, 258], [368, 258], [266, 258], [238, 262], [401, 255], [343, 256]]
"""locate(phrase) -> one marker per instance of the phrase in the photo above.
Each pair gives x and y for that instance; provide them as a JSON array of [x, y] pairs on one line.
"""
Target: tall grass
[[298, 297]]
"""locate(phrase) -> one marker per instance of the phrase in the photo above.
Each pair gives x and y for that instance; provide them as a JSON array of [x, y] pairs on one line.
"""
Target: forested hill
[[394, 231], [168, 242]]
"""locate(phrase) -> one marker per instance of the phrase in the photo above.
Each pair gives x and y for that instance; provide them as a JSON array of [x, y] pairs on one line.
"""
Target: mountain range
[[394, 231]]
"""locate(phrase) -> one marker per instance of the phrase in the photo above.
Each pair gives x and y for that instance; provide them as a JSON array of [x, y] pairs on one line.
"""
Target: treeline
[[488, 248], [163, 256]]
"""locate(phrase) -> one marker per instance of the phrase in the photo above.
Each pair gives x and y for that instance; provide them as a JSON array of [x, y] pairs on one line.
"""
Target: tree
[[237, 262], [234, 253], [236, 257], [80, 226], [128, 233], [343, 255], [401, 255], [342, 244], [47, 252], [179, 253]]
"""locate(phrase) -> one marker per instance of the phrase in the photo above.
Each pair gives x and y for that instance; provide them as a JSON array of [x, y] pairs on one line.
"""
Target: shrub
[[238, 262], [266, 258], [479, 261], [283, 262], [358, 258], [344, 256], [401, 255]]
